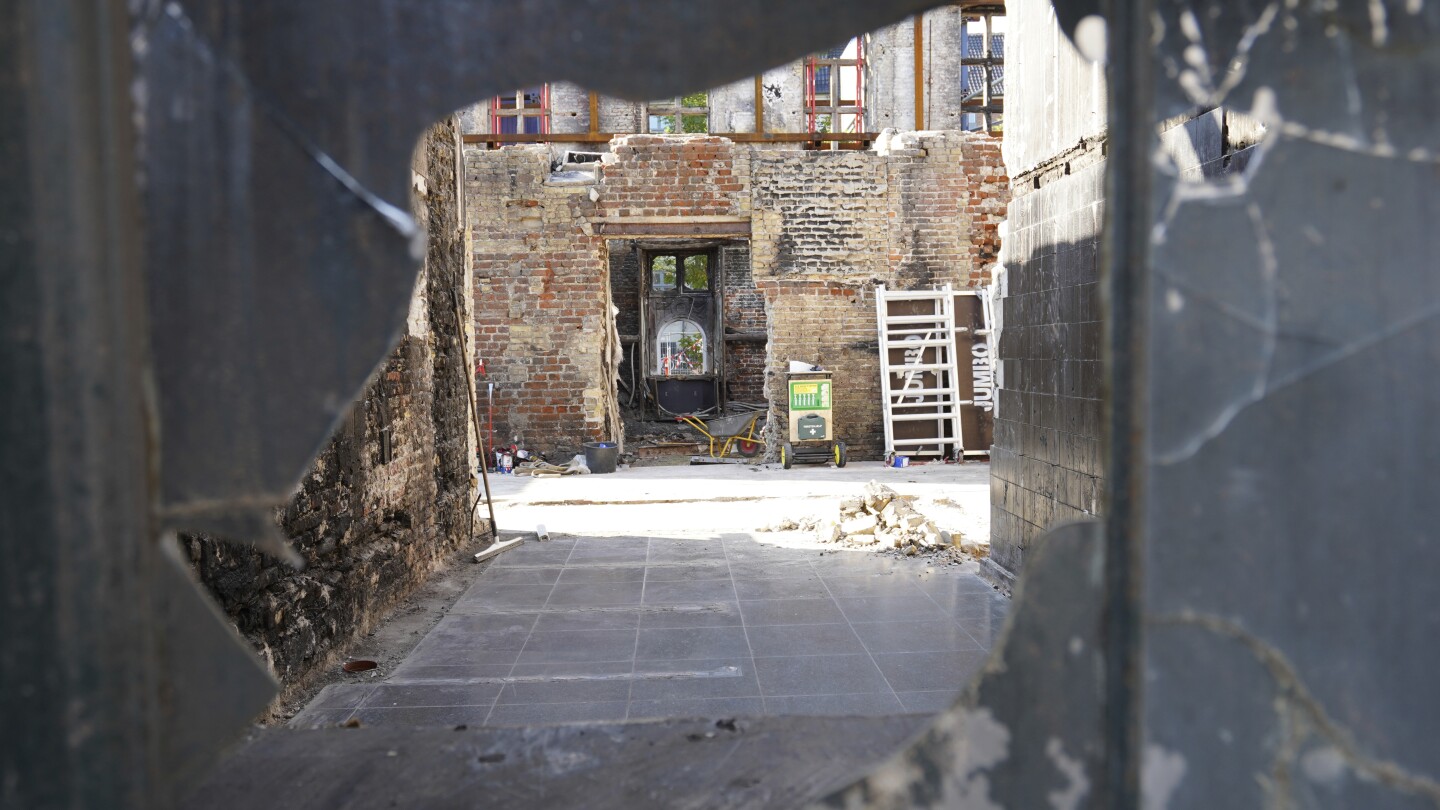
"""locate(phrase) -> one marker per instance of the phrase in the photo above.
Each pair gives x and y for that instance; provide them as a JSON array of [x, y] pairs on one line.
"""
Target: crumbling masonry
[[388, 498]]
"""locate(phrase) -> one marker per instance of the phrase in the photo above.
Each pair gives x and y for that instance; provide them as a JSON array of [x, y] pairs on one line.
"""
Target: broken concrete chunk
[[878, 496], [913, 520], [889, 515], [911, 551], [828, 532], [852, 506], [860, 524]]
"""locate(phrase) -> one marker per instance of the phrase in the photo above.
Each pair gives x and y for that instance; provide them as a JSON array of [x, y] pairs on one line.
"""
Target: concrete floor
[[704, 620]]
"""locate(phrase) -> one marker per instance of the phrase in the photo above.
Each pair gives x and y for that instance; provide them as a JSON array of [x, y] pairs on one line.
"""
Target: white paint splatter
[[1160, 774], [1073, 770]]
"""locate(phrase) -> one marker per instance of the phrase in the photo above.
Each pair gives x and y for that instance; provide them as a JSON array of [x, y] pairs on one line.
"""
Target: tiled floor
[[600, 629]]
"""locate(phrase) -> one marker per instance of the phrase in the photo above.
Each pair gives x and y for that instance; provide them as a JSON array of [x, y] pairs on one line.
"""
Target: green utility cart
[[812, 425]]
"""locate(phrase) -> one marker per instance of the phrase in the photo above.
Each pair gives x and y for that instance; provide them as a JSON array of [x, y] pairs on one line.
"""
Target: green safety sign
[[809, 395]]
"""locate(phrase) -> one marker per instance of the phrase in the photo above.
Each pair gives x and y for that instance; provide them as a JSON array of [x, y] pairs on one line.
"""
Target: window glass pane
[[662, 273], [680, 349], [664, 124], [695, 123], [533, 97], [532, 124], [697, 272], [507, 124], [822, 80], [506, 102]]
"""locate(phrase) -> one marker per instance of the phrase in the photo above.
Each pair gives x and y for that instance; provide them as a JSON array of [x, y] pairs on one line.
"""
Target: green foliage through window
[[697, 273]]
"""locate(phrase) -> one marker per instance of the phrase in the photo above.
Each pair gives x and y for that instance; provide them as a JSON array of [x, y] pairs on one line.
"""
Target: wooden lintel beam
[[737, 137], [759, 103], [594, 111], [919, 71]]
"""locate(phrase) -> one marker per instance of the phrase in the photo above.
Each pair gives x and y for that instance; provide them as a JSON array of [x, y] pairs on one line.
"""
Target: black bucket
[[600, 456]]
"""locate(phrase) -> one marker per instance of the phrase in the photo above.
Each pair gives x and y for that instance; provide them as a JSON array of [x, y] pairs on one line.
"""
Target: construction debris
[[881, 517], [540, 469]]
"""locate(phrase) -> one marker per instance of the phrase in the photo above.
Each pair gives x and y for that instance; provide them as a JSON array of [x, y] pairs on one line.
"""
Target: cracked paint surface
[[1293, 339]]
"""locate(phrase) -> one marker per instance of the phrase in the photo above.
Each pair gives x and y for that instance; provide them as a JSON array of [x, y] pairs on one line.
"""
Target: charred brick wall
[[744, 318], [1045, 465], [922, 209], [388, 499]]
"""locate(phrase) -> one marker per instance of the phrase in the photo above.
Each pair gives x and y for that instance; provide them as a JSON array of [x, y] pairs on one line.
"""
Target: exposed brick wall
[[829, 226], [541, 301], [388, 498], [826, 227], [674, 176]]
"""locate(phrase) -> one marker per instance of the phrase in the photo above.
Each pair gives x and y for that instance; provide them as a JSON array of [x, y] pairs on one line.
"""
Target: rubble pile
[[881, 517]]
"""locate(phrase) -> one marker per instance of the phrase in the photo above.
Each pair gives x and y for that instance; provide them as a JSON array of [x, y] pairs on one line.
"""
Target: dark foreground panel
[[778, 762]]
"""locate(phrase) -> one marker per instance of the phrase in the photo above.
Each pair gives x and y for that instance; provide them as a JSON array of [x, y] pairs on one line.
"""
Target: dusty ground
[[743, 498]]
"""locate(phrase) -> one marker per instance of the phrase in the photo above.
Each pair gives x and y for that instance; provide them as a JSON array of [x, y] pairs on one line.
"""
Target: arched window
[[681, 348]]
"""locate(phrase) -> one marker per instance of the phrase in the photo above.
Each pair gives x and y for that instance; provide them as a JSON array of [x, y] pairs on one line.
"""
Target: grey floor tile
[[582, 619], [691, 643], [562, 689], [596, 594], [607, 557], [340, 696], [430, 652], [701, 678], [523, 576], [695, 591], [772, 556], [925, 671], [561, 669], [855, 563], [320, 718], [893, 584], [409, 672], [531, 554], [985, 628], [530, 714], [684, 572], [579, 645], [803, 639], [761, 612], [483, 594], [942, 582], [919, 607], [973, 604], [686, 551], [391, 696], [936, 635], [581, 575], [864, 705], [439, 644], [820, 675], [704, 708], [761, 569], [424, 716], [507, 622], [585, 544], [930, 701], [789, 588], [718, 614]]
